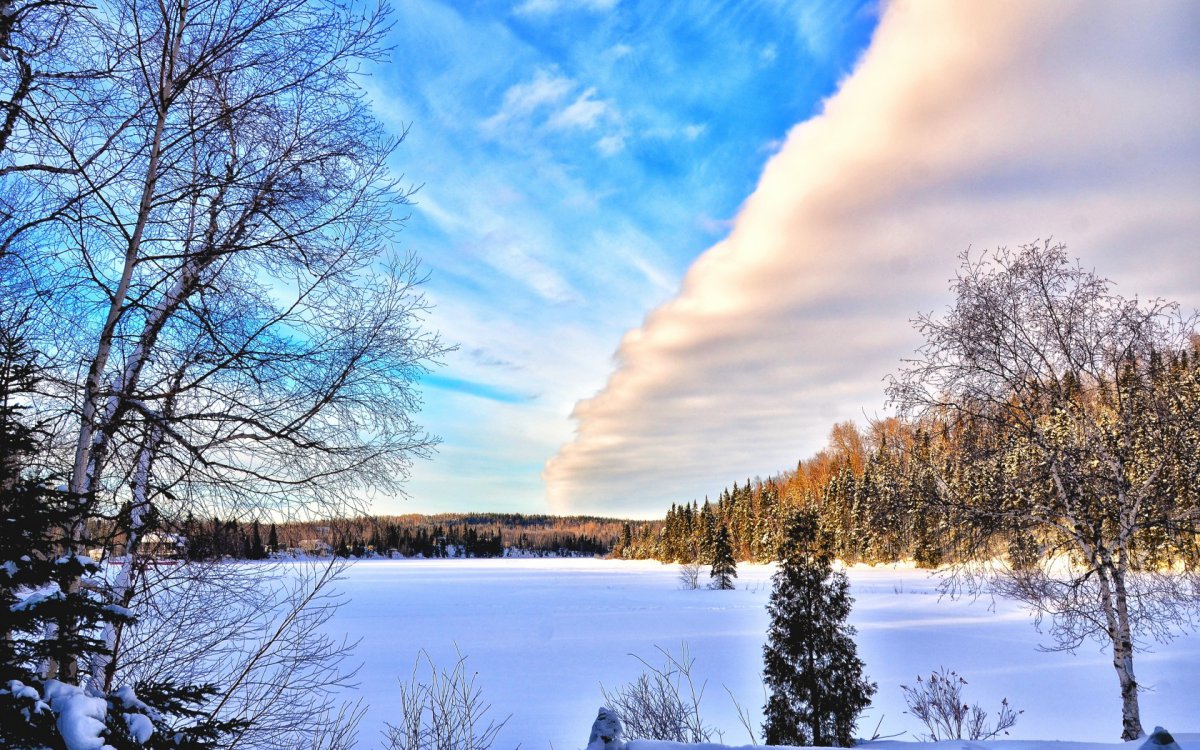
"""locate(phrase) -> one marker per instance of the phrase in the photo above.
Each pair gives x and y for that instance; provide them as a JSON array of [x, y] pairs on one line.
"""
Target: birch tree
[[1070, 421], [227, 324]]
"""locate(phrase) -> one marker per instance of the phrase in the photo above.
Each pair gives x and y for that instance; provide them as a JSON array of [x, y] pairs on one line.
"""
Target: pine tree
[[812, 669], [724, 567], [273, 539]]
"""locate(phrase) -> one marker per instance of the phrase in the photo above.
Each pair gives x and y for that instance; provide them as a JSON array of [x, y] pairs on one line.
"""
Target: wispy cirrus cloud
[[545, 91], [585, 113], [553, 103], [964, 125], [547, 7]]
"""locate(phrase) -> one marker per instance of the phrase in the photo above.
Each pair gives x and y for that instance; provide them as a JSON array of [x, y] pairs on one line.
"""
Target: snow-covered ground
[[544, 634]]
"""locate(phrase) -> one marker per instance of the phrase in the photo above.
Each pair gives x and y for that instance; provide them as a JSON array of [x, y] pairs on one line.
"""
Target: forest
[[884, 492], [410, 535], [465, 535]]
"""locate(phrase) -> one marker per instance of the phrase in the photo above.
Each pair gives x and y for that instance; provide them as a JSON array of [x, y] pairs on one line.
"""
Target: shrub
[[939, 704], [662, 703], [446, 712]]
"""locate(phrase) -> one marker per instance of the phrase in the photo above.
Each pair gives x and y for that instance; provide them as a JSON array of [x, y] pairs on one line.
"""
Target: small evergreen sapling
[[724, 567], [811, 665]]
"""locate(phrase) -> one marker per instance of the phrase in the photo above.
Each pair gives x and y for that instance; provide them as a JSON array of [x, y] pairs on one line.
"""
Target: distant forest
[[875, 505], [878, 502], [411, 535]]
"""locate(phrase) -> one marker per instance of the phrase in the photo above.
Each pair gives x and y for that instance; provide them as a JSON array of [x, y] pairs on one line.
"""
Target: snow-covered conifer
[[724, 567], [812, 669]]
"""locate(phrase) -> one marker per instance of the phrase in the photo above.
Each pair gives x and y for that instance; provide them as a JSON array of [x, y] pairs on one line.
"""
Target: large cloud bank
[[966, 124]]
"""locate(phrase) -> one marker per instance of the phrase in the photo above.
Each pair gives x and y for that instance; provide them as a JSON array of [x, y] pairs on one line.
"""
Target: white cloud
[[973, 124], [545, 90], [617, 52], [548, 101], [611, 145], [584, 113], [692, 132], [546, 7]]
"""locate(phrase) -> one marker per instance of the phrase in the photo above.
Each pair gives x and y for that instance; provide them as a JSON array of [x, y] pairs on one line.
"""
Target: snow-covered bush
[[939, 704]]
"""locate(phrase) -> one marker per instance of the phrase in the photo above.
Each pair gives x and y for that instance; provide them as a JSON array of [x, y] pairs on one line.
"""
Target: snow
[[1190, 741], [21, 690], [80, 716], [36, 599], [543, 634], [140, 727], [119, 611]]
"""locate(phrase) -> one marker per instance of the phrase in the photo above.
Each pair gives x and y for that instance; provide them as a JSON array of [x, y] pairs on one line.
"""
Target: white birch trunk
[[103, 666], [1114, 603], [89, 446]]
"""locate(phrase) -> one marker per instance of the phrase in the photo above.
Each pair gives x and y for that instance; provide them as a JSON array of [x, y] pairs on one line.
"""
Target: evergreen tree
[[812, 669], [273, 539], [708, 531], [256, 546], [724, 567], [47, 624], [624, 546]]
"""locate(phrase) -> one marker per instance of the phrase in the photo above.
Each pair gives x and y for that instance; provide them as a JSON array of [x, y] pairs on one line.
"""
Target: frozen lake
[[544, 634]]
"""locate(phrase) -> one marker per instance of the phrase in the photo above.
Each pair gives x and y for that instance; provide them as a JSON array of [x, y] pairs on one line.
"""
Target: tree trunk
[[1114, 601], [89, 446], [1131, 721]]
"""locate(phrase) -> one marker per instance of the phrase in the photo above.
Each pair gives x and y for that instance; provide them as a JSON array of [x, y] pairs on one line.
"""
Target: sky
[[676, 242]]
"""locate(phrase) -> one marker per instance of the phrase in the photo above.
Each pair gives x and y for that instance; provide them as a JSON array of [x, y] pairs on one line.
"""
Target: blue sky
[[675, 242], [574, 158]]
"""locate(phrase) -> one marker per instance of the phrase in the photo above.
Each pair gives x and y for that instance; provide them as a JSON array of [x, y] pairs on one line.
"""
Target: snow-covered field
[[543, 636]]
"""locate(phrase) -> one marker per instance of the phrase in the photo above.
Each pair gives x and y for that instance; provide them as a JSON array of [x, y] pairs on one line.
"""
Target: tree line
[[883, 495], [876, 504], [411, 535], [459, 535]]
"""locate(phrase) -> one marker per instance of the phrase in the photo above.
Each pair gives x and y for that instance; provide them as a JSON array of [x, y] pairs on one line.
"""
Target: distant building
[[162, 545], [314, 547]]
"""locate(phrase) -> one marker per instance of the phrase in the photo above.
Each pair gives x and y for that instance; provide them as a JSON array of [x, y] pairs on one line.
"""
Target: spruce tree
[[812, 669], [708, 531], [724, 567]]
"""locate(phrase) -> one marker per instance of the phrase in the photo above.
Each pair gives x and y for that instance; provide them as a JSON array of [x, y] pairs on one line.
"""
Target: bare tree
[[197, 220], [205, 219], [1070, 419], [256, 635], [689, 575]]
